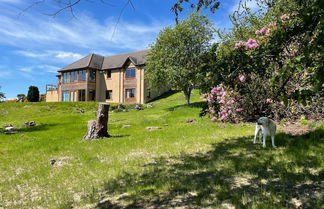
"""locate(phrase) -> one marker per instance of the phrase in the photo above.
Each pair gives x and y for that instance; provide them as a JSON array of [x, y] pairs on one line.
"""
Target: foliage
[[177, 55], [2, 95], [21, 97], [279, 51], [223, 104], [33, 94], [177, 8]]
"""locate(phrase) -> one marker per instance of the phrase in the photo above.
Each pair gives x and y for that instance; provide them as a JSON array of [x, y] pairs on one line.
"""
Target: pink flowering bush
[[275, 69], [262, 31], [250, 44], [223, 104], [284, 17]]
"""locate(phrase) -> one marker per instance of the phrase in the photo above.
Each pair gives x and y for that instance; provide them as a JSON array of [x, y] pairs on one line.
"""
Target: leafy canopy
[[176, 58]]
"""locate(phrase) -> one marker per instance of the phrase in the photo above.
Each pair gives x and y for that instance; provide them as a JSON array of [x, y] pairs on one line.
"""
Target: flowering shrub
[[250, 44], [223, 104], [262, 31], [278, 71]]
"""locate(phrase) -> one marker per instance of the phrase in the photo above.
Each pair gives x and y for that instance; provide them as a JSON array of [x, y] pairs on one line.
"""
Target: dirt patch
[[295, 129]]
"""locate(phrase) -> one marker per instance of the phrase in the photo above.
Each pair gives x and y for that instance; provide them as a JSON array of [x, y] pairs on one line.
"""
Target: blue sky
[[33, 46]]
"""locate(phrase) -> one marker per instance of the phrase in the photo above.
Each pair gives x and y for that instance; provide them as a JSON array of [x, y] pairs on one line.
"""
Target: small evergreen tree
[[33, 94], [2, 95]]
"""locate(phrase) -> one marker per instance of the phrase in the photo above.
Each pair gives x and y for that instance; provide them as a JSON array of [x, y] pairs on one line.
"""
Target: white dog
[[267, 127]]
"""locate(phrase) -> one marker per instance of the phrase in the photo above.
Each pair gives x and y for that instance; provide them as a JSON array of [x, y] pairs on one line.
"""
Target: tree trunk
[[98, 128], [187, 92]]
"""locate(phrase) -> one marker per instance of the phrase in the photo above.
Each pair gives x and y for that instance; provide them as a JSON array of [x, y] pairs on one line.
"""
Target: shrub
[[33, 94], [273, 61]]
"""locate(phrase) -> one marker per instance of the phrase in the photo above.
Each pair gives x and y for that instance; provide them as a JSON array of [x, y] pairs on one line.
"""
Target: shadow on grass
[[40, 127], [193, 105], [235, 173], [165, 95], [118, 136]]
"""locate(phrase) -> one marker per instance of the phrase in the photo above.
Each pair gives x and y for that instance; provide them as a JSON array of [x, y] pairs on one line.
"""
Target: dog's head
[[263, 121]]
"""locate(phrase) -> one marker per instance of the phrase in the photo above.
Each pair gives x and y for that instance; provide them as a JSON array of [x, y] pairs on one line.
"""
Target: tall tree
[[33, 94], [2, 95], [176, 57]]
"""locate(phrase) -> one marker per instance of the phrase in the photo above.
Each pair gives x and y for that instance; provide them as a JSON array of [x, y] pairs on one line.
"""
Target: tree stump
[[98, 128]]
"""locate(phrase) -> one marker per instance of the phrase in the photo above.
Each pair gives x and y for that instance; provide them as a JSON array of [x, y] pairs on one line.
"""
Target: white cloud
[[26, 69], [39, 69], [31, 54], [49, 68], [68, 55], [85, 33], [56, 56]]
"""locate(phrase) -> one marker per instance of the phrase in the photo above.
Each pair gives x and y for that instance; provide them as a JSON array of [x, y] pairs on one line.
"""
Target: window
[[67, 77], [130, 73], [109, 94], [109, 74], [73, 95], [74, 76], [130, 93], [92, 75], [92, 95], [82, 75], [82, 95], [64, 78], [65, 96]]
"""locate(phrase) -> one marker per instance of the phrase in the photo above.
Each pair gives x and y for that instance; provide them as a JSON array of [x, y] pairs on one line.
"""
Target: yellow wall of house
[[117, 83], [52, 96], [113, 84]]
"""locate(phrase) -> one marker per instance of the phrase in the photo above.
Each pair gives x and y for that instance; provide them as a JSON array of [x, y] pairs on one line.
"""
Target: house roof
[[108, 62], [118, 61], [92, 61]]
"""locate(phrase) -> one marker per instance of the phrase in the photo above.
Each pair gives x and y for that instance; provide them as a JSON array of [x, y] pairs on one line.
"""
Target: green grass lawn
[[184, 165]]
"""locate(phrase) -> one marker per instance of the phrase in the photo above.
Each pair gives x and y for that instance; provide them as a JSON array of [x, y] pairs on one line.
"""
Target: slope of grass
[[195, 165]]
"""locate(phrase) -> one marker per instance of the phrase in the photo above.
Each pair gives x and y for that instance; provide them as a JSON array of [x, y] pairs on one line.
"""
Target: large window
[[130, 73], [109, 94], [74, 76], [67, 77], [82, 75], [130, 93]]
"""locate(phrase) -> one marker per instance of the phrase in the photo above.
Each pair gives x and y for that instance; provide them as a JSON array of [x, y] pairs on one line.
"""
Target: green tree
[[33, 94], [176, 58], [2, 95], [21, 97]]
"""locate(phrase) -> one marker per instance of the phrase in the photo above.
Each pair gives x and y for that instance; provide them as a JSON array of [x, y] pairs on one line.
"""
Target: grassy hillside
[[195, 165]]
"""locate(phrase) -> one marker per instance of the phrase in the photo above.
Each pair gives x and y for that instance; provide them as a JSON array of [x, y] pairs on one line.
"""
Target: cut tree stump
[[98, 128]]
